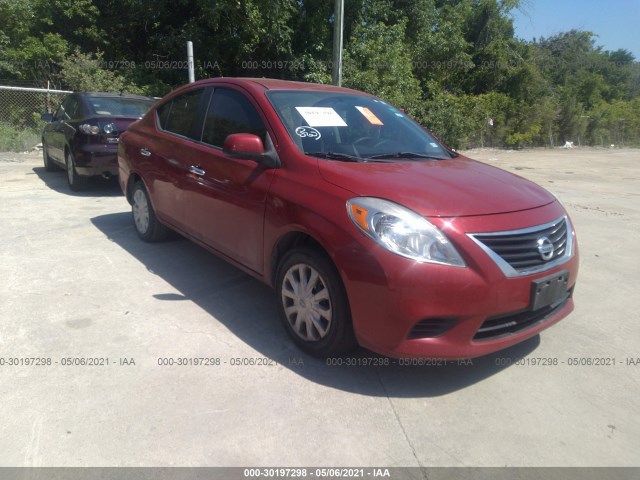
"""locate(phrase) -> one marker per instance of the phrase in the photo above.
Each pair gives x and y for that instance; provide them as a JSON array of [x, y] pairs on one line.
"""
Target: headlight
[[402, 231]]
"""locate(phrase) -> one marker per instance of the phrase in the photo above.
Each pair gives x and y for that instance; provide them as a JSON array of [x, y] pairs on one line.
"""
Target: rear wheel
[[148, 227], [49, 166], [76, 182], [313, 304]]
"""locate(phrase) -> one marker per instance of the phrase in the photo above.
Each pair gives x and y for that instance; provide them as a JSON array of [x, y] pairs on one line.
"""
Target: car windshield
[[343, 126], [119, 106]]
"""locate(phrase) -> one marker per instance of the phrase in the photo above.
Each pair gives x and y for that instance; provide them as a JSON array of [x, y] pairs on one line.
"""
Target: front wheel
[[148, 227], [76, 182], [313, 304]]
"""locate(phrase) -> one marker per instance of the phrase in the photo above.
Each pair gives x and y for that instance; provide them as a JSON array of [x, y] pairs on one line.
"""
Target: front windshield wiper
[[336, 156], [405, 155]]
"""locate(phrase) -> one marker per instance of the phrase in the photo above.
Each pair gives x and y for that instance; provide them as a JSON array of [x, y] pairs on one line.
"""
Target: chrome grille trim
[[517, 254]]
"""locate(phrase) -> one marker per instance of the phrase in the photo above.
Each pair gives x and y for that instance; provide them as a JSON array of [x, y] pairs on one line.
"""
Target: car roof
[[275, 84], [263, 84]]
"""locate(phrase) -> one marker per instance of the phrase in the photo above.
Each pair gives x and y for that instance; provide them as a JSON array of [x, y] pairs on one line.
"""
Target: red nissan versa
[[370, 231]]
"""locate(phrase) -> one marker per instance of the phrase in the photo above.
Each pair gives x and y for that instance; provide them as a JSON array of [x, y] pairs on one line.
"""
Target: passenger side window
[[230, 112], [178, 115]]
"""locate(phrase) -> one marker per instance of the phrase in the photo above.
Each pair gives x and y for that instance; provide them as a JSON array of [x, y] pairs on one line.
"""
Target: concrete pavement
[[77, 286]]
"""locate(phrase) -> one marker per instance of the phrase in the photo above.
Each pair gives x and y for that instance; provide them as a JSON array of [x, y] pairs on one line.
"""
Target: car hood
[[439, 188]]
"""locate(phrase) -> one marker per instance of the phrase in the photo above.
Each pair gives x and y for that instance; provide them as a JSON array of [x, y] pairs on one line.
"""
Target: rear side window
[[178, 116], [230, 112], [163, 114], [74, 108], [69, 109]]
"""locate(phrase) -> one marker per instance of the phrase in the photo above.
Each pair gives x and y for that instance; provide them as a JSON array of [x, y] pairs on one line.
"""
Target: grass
[[14, 139]]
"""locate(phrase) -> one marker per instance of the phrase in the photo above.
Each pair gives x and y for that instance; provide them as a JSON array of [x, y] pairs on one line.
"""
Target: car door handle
[[196, 170], [144, 152]]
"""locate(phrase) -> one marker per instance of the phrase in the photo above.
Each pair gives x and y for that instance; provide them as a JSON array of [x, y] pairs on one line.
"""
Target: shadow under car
[[247, 308]]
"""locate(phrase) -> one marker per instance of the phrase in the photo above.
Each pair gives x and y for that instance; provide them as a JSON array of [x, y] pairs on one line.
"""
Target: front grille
[[503, 325], [530, 250], [431, 327]]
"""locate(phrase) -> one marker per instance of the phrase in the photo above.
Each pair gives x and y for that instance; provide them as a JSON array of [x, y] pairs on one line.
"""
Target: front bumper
[[392, 298]]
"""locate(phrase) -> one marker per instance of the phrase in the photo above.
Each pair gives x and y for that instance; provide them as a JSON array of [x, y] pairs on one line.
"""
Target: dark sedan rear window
[[119, 106]]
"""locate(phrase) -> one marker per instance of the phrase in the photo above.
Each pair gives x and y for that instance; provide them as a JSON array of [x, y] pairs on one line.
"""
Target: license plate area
[[549, 290]]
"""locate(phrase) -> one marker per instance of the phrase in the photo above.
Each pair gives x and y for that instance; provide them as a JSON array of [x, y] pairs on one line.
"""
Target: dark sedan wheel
[[49, 166], [148, 227], [76, 182], [313, 304]]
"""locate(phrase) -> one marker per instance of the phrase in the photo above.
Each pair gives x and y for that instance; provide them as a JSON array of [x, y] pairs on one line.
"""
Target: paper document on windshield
[[321, 117], [369, 115]]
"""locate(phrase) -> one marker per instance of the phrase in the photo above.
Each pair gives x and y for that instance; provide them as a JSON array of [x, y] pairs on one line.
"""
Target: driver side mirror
[[243, 143], [47, 117], [250, 147]]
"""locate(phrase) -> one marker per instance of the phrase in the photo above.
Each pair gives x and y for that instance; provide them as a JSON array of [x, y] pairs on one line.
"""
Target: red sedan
[[369, 229]]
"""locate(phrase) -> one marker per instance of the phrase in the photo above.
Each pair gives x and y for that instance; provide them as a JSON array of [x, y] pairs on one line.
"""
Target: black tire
[[49, 166], [319, 320], [147, 225], [76, 182]]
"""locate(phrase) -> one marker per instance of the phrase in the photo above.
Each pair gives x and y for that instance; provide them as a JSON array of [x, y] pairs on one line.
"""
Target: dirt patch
[[13, 157], [597, 181]]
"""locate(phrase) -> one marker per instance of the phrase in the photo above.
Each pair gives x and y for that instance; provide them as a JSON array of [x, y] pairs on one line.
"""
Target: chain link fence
[[20, 110]]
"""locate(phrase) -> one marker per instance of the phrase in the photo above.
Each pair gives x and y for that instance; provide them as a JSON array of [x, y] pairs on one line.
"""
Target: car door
[[165, 155], [228, 195], [55, 137]]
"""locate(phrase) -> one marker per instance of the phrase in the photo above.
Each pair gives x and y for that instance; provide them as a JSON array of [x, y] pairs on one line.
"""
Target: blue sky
[[616, 22]]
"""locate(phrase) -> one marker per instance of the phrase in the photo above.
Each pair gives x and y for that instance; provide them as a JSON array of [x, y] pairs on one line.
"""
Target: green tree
[[84, 73], [453, 64], [377, 61]]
